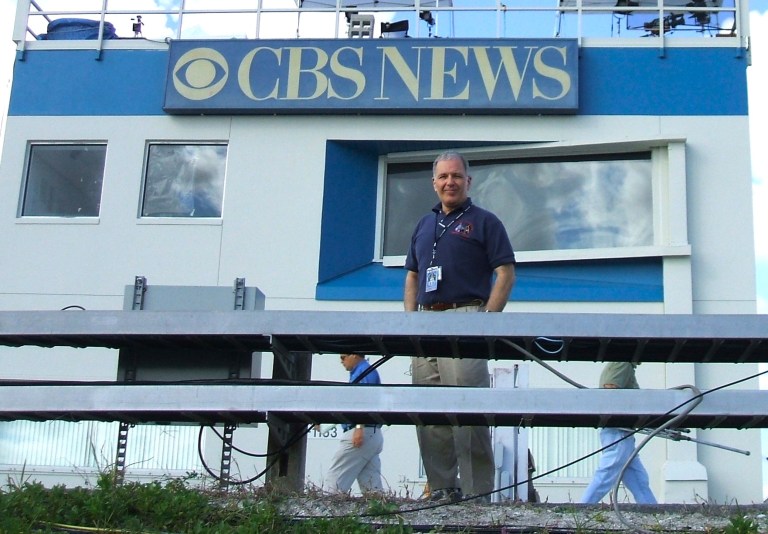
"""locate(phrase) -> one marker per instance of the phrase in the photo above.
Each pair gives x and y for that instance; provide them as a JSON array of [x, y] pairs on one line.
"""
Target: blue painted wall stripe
[[75, 83], [638, 280], [613, 81], [349, 209]]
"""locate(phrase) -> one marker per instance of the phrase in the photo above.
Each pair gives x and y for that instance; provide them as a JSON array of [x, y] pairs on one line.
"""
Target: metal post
[[286, 439]]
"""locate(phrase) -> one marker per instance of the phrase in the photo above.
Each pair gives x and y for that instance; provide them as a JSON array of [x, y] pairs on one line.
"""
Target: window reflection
[[184, 180], [600, 202], [569, 204], [64, 180]]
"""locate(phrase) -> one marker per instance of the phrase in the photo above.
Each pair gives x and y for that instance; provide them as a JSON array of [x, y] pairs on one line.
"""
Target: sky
[[757, 75]]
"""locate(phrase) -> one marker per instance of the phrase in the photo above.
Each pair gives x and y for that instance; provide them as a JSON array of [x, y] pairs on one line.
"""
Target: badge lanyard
[[445, 229]]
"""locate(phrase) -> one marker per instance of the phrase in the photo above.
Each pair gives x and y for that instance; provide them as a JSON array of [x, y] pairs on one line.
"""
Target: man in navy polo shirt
[[460, 260]]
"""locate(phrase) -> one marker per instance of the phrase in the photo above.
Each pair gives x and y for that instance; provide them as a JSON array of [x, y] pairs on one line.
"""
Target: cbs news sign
[[373, 76]]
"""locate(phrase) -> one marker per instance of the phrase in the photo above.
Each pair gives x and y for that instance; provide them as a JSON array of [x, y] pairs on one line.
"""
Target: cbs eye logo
[[200, 73]]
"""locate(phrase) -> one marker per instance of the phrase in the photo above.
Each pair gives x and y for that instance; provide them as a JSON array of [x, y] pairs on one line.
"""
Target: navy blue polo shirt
[[472, 246]]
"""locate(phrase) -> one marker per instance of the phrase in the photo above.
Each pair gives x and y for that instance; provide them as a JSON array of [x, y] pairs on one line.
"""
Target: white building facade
[[620, 166]]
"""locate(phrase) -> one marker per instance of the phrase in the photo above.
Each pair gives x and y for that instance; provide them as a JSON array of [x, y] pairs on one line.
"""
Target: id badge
[[433, 275]]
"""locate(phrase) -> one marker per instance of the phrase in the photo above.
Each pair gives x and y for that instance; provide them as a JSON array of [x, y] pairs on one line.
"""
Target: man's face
[[451, 183], [348, 361]]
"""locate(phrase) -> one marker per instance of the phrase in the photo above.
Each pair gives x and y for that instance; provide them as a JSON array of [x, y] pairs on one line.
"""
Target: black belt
[[442, 306]]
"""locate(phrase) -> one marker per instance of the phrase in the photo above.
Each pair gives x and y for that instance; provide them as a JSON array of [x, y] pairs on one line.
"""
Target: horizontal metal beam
[[390, 404], [565, 337]]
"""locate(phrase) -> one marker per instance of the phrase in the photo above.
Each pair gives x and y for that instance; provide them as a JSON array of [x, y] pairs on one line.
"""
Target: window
[[546, 204], [623, 201], [184, 180], [63, 180]]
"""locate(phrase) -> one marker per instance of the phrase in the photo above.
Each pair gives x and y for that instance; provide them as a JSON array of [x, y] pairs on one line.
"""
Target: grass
[[182, 506], [157, 507], [741, 525]]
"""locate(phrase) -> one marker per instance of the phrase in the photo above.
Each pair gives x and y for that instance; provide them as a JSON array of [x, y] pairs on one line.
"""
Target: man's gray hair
[[448, 156]]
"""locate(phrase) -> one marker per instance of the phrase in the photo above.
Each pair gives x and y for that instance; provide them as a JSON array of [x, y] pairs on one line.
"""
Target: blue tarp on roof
[[74, 29]]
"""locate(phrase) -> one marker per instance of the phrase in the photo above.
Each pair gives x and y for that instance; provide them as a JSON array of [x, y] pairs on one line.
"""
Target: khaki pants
[[455, 457]]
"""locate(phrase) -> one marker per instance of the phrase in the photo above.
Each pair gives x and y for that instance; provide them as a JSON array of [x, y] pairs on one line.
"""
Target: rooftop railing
[[607, 22]]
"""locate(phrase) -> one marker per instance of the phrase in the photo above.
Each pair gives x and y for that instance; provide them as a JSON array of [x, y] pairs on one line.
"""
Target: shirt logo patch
[[463, 228]]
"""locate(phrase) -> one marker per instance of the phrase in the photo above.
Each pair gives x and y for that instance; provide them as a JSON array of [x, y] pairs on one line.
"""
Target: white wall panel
[[270, 235]]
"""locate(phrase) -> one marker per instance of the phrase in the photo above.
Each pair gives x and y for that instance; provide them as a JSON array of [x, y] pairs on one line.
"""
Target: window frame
[[670, 233]]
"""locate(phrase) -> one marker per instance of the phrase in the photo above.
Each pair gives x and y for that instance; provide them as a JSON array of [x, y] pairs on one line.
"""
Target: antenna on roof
[[137, 26]]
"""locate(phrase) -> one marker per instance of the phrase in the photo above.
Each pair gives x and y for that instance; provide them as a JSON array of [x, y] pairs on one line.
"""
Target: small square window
[[64, 181], [184, 180]]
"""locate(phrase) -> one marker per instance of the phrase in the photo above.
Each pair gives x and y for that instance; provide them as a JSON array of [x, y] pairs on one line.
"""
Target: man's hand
[[358, 437], [502, 287]]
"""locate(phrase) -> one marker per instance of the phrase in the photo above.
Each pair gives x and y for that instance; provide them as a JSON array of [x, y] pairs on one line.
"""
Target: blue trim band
[[612, 81], [73, 83], [637, 280]]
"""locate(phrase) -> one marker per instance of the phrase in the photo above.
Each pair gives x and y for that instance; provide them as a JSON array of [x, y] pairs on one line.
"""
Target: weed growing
[[170, 506], [741, 524]]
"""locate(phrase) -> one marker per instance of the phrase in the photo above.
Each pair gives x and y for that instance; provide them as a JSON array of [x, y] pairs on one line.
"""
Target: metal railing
[[700, 22]]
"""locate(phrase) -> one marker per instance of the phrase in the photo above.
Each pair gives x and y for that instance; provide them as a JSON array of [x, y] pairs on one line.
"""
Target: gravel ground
[[522, 517]]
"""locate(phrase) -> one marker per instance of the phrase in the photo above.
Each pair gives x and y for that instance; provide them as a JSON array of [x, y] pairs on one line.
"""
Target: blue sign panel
[[373, 76]]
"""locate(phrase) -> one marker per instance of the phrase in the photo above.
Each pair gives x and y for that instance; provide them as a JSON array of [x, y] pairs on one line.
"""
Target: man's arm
[[502, 287], [411, 291]]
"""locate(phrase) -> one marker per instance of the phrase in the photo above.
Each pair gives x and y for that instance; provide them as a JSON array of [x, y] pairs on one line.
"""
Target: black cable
[[372, 368], [288, 444], [241, 451], [219, 477], [559, 468], [615, 493], [696, 399]]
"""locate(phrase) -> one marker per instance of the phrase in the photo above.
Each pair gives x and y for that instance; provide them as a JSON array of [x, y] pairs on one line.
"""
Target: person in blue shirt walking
[[357, 457]]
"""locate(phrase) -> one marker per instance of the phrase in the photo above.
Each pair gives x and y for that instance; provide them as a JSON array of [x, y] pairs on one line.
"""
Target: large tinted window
[[545, 204], [63, 180]]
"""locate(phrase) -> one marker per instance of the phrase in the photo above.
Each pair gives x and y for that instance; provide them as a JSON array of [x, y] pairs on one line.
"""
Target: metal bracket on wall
[[234, 373], [122, 448], [139, 290], [239, 292], [226, 455]]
